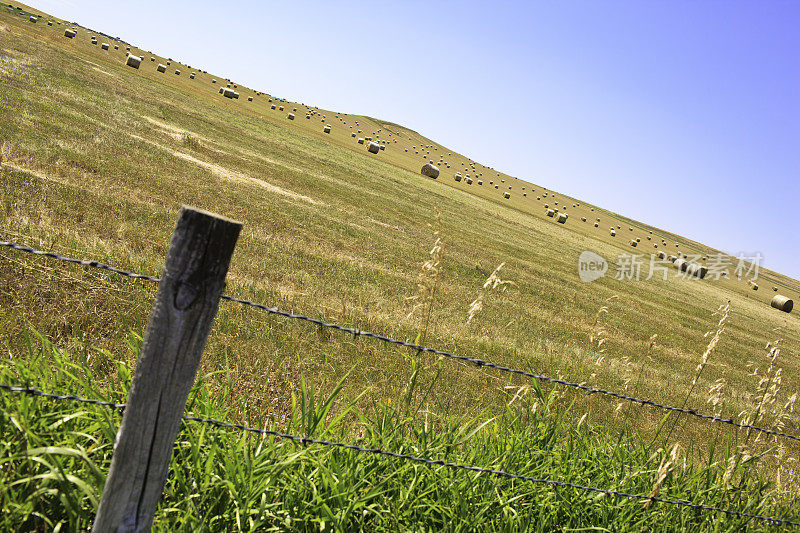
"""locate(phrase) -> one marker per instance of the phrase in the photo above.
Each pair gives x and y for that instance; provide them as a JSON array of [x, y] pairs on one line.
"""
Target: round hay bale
[[432, 171], [33, 18], [583, 219], [480, 182], [469, 181], [161, 67], [551, 213], [178, 73], [361, 140], [249, 98], [596, 225], [191, 76], [613, 233], [290, 116], [327, 128], [133, 61], [373, 148], [280, 108], [104, 46], [353, 134], [457, 177], [272, 106], [506, 195], [70, 33], [634, 243], [116, 47], [782, 302], [755, 286], [562, 218], [383, 147], [227, 93], [662, 255]]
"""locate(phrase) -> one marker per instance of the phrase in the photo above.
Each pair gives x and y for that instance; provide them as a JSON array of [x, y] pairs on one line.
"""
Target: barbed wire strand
[[408, 457], [425, 349]]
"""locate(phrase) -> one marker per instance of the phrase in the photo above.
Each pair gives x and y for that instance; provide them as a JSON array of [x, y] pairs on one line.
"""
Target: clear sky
[[684, 115]]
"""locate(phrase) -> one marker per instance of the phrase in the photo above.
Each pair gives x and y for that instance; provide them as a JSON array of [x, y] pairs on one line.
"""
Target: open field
[[98, 157]]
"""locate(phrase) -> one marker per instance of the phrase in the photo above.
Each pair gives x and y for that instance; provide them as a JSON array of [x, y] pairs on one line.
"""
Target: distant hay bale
[[249, 98], [551, 213], [227, 93], [583, 219], [361, 140], [133, 61], [634, 243], [290, 116], [613, 233], [672, 259], [104, 46], [755, 285], [383, 147], [469, 181], [191, 76], [775, 289], [116, 47], [457, 177], [272, 106], [327, 128], [353, 134], [506, 195], [480, 182], [638, 239], [280, 108], [562, 218], [681, 264], [783, 303], [161, 67], [70, 33], [33, 18], [373, 148], [662, 255], [178, 73]]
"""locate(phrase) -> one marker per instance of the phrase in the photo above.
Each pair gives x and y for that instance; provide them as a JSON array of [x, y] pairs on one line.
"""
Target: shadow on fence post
[[188, 296]]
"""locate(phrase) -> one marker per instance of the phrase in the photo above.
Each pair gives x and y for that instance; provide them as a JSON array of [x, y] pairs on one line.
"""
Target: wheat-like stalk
[[492, 282]]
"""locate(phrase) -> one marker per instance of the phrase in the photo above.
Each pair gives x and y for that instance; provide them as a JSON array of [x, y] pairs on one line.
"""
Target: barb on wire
[[420, 348], [413, 458], [84, 262]]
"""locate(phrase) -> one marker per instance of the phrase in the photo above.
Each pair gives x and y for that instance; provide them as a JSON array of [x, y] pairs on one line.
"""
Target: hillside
[[98, 157]]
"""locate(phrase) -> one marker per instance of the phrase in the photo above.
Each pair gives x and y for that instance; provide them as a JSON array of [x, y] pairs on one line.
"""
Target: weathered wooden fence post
[[188, 295]]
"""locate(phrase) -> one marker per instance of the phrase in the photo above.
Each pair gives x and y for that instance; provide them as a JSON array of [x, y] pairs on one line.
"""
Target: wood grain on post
[[188, 295]]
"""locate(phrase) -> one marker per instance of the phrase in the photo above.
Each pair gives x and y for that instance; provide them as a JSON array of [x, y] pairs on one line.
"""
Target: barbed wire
[[425, 349], [413, 458]]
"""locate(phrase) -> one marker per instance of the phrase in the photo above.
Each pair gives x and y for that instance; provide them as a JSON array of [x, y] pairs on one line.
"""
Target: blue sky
[[684, 115]]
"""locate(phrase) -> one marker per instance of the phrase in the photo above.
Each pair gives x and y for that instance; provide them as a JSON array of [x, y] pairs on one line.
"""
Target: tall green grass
[[54, 456]]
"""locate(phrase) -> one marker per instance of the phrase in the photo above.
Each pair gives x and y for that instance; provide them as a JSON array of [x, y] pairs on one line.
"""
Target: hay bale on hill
[[327, 128], [361, 140], [104, 46], [583, 219], [457, 177], [177, 72], [353, 134], [562, 218], [70, 33], [480, 182], [754, 284], [383, 147], [161, 67], [280, 108], [33, 18], [249, 98], [116, 47], [551, 213], [634, 243], [227, 93], [596, 225], [133, 61], [662, 255], [783, 303], [191, 76], [373, 148], [290, 116], [613, 233], [272, 106], [506, 195]]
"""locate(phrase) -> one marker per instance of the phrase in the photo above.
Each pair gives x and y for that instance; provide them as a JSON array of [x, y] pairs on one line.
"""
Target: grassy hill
[[97, 158]]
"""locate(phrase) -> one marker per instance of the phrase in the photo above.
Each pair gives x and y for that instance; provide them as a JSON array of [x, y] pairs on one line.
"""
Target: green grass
[[54, 456], [98, 158]]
